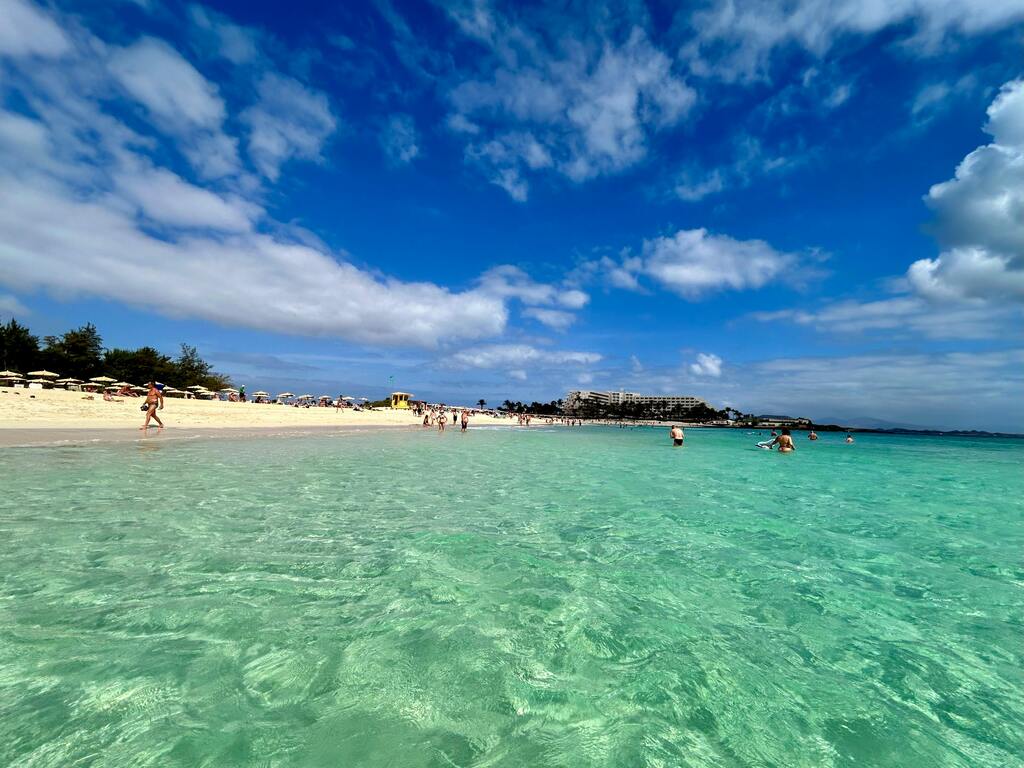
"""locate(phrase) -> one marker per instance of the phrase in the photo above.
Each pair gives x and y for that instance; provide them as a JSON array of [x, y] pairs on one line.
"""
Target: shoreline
[[39, 437]]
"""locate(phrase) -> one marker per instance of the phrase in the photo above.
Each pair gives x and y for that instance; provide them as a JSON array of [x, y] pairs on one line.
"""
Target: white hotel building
[[579, 398]]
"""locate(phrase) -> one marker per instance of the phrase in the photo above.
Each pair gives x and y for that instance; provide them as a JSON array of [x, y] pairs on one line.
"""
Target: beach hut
[[400, 399]]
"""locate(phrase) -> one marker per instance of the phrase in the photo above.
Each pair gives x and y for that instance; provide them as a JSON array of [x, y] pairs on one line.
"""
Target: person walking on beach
[[676, 433], [154, 400]]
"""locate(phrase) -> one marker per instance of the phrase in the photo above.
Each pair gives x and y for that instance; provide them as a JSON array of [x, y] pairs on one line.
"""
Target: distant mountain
[[867, 422]]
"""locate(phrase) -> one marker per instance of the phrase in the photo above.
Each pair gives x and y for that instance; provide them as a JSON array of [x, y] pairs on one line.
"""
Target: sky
[[807, 207]]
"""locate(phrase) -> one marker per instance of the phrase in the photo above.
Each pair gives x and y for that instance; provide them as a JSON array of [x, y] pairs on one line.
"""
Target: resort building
[[580, 399]]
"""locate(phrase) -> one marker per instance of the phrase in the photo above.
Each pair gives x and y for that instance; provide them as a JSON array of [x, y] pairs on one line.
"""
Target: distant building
[[581, 399], [769, 420]]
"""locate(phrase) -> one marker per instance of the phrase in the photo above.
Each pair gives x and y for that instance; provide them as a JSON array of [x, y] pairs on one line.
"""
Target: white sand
[[59, 409]]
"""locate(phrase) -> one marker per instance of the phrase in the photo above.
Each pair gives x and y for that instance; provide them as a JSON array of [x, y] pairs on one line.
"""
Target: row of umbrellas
[[197, 389]]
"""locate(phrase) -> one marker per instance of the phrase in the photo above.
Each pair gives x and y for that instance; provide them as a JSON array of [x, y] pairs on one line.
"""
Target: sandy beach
[[52, 412]]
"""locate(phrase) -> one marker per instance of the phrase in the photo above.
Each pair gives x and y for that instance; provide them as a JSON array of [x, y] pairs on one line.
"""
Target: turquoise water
[[529, 597]]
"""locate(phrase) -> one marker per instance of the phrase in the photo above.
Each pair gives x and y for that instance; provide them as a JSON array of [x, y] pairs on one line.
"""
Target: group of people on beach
[[439, 417]]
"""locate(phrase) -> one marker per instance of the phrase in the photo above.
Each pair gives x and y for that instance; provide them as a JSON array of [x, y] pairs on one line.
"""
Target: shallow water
[[529, 597]]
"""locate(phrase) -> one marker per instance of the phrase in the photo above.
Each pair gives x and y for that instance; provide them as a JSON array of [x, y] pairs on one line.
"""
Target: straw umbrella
[[44, 374], [10, 375], [102, 379]]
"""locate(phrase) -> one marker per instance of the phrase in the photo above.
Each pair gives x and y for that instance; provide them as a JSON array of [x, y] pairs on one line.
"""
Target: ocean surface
[[513, 597]]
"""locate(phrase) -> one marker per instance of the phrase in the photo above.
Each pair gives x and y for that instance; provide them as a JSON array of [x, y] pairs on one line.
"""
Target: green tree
[[77, 352], [191, 369], [481, 403], [19, 349], [139, 366]]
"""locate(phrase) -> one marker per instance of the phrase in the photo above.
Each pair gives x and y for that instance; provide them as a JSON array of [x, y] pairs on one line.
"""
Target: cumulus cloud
[[556, 319], [289, 121], [520, 356], [707, 365], [160, 79], [582, 105], [736, 40], [28, 31], [399, 139], [694, 262], [979, 215], [89, 207], [508, 281], [167, 198]]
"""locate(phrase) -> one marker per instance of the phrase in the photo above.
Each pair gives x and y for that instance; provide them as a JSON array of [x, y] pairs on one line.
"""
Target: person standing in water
[[784, 441], [154, 399], [813, 435], [465, 420], [441, 421], [676, 433]]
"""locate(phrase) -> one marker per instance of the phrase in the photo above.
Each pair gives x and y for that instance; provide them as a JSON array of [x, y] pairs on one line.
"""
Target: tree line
[[80, 353]]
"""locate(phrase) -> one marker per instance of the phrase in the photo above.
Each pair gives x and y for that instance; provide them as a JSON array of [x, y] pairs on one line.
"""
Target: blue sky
[[808, 207]]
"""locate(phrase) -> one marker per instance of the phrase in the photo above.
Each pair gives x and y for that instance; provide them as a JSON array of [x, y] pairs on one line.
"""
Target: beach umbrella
[[347, 397], [287, 394], [261, 393], [122, 384], [44, 374], [10, 375], [229, 389], [365, 399], [69, 380], [101, 379], [196, 386]]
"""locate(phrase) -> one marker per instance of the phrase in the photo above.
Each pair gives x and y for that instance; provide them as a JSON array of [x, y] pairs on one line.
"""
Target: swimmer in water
[[813, 435], [849, 438], [784, 441], [676, 433]]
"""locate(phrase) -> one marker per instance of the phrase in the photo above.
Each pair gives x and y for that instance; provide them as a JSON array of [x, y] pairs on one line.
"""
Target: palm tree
[[482, 403]]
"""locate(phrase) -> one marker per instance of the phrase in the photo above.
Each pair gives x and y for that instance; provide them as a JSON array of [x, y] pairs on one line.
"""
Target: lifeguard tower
[[400, 400]]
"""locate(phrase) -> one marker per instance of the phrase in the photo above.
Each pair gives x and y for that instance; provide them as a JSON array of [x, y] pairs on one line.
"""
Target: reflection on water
[[525, 597]]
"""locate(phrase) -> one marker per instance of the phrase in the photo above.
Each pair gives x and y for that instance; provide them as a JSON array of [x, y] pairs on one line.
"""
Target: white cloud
[[10, 306], [167, 198], [520, 356], [518, 374], [224, 38], [289, 121], [399, 139], [508, 281], [736, 40], [89, 208], [583, 105], [900, 316], [707, 365], [173, 91], [555, 319], [76, 247], [980, 215], [27, 31], [694, 262]]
